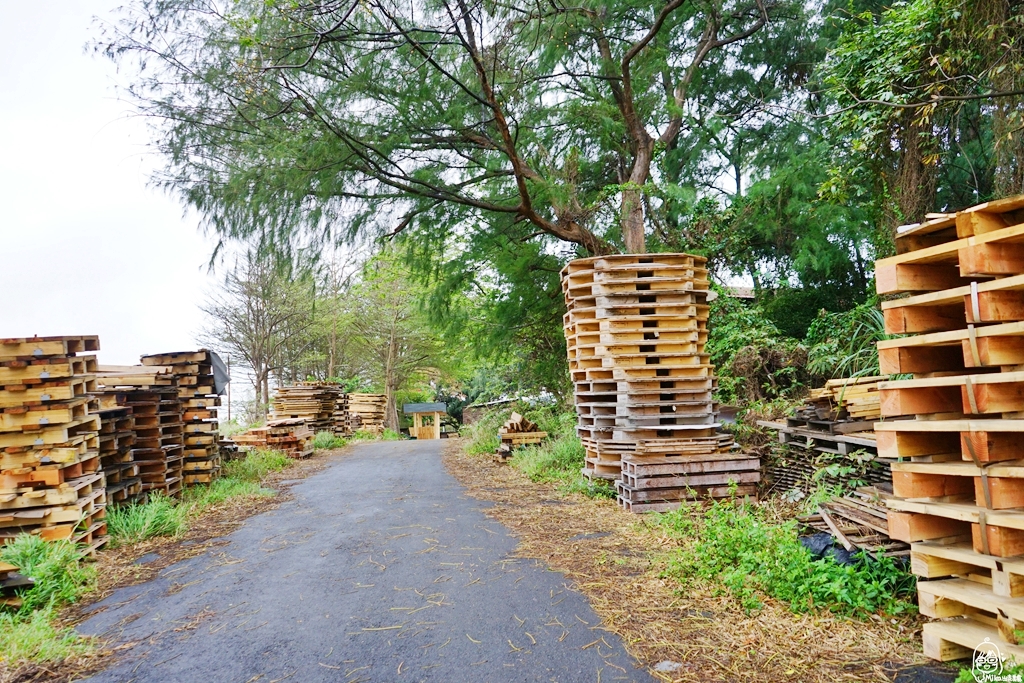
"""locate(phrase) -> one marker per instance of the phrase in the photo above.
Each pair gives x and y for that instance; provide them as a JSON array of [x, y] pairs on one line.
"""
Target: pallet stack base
[[955, 429]]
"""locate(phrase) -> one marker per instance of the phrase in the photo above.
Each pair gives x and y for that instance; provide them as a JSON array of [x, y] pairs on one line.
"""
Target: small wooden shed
[[426, 419]]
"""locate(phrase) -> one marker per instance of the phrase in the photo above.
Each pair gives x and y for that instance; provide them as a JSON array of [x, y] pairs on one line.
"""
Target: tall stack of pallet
[[635, 328], [51, 484], [366, 412], [314, 403], [957, 426], [340, 422], [152, 395], [117, 458], [193, 370]]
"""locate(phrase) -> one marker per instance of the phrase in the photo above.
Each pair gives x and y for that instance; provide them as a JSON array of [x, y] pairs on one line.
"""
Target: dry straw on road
[[710, 638]]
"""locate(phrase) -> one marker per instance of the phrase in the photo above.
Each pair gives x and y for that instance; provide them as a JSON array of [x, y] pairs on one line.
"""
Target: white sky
[[85, 246]]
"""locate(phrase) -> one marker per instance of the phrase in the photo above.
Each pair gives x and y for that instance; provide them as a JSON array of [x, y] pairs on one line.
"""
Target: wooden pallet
[[39, 347]]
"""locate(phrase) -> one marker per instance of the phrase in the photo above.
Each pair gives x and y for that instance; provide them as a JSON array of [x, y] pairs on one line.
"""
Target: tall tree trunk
[[632, 197], [391, 385], [915, 175]]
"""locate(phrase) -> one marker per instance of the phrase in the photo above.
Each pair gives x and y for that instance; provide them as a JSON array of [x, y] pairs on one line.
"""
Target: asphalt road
[[379, 568]]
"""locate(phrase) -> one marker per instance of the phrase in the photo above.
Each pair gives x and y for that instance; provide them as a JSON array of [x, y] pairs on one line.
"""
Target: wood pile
[[151, 392], [859, 521], [291, 436], [339, 420], [517, 431], [636, 327], [117, 441], [956, 427], [314, 403], [193, 372], [366, 412], [854, 397], [51, 484], [10, 583]]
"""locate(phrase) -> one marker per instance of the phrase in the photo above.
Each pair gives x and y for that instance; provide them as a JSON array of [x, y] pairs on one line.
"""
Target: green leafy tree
[[278, 119]]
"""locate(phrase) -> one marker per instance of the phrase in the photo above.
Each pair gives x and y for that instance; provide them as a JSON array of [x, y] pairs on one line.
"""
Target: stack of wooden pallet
[[517, 431], [314, 403], [959, 482], [339, 420], [291, 436], [853, 397], [366, 412], [193, 372], [50, 479], [635, 328], [151, 392], [117, 440]]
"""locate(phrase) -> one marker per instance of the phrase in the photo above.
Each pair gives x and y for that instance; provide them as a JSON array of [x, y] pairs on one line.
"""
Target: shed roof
[[410, 408]]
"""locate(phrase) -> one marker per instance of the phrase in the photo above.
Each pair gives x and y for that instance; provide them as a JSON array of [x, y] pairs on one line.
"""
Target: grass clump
[[163, 516], [31, 633], [736, 547], [325, 441], [35, 637], [54, 565], [160, 516]]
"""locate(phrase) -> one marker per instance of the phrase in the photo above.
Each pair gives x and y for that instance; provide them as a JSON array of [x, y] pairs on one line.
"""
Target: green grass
[[30, 632], [162, 516], [59, 575], [558, 459], [738, 549], [325, 441], [35, 637]]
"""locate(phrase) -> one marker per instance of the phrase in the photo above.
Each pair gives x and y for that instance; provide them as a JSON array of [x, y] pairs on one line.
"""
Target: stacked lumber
[[852, 397], [314, 403], [635, 330], [956, 427], [291, 436], [50, 479], [10, 583], [151, 392], [339, 419], [859, 521], [517, 431], [117, 459], [366, 412], [193, 372]]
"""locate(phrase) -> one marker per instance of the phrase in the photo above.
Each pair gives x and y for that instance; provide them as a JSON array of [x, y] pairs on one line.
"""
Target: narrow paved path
[[380, 568]]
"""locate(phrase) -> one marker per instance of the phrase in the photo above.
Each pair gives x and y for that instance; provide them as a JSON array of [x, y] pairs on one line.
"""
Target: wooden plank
[[39, 347]]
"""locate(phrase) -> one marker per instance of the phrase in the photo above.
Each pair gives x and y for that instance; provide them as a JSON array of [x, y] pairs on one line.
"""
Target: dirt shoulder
[[616, 559]]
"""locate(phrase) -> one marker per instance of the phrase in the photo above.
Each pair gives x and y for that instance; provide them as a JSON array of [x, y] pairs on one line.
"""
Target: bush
[[844, 344], [734, 545]]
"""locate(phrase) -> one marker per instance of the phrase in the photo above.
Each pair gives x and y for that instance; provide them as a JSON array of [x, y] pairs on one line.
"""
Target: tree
[[277, 119], [390, 330], [254, 317]]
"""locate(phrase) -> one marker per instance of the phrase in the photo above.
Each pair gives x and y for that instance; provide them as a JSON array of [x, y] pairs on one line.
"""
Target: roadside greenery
[[559, 459], [31, 632], [740, 549], [163, 516]]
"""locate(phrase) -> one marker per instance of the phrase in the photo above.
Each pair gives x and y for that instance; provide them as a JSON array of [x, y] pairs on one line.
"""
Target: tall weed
[[734, 546]]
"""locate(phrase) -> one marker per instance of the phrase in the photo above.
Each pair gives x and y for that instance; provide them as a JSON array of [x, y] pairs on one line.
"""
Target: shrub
[[844, 344], [734, 546]]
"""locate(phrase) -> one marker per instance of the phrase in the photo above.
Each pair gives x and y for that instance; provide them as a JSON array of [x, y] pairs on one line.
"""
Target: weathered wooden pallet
[[988, 440], [39, 370], [934, 560], [39, 347], [948, 265], [1002, 534], [999, 486], [13, 396]]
